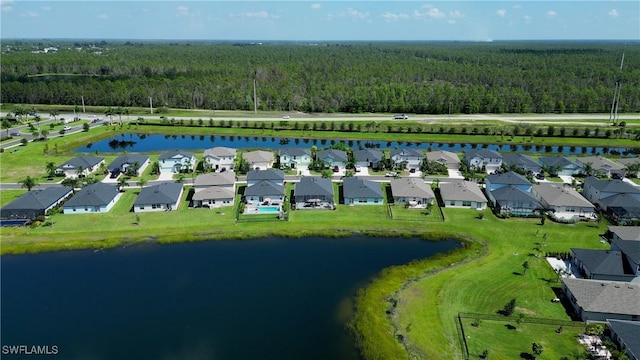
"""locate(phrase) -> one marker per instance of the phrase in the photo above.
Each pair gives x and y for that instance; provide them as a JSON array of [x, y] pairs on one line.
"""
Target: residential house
[[358, 191], [599, 300], [446, 158], [274, 176], [406, 158], [295, 158], [35, 203], [176, 161], [127, 161], [630, 163], [462, 194], [225, 179], [515, 161], [603, 265], [264, 191], [333, 158], [563, 203], [412, 191], [220, 158], [79, 166], [213, 197], [560, 166], [601, 166], [512, 200], [92, 199], [488, 159], [510, 178], [161, 197], [596, 190], [368, 158], [259, 159], [314, 192], [627, 240], [626, 334], [621, 209]]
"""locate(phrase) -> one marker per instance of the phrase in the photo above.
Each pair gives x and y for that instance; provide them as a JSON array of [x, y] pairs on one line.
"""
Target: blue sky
[[321, 20]]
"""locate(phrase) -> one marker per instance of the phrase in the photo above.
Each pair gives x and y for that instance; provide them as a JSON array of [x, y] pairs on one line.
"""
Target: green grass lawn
[[7, 196]]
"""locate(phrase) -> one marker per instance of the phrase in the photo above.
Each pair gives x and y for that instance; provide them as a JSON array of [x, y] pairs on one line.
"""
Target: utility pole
[[151, 104], [613, 115], [255, 99], [83, 110]]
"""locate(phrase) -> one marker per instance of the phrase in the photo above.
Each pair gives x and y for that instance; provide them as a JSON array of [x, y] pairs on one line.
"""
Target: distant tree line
[[427, 78]]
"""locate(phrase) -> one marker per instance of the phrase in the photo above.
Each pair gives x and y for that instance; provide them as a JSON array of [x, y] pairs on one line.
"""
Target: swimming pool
[[263, 210]]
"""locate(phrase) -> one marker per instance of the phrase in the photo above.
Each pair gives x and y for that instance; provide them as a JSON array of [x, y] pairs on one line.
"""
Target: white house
[[259, 159], [295, 158], [462, 194], [410, 158], [478, 158], [359, 191], [95, 198], [219, 158], [174, 161], [161, 197], [80, 166]]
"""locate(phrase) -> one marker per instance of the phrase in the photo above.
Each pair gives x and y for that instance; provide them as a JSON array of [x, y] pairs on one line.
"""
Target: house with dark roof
[[359, 191], [406, 158], [79, 166], [514, 201], [462, 194], [524, 162], [314, 192], [295, 158], [161, 197], [274, 176], [621, 209], [225, 179], [34, 203], [627, 240], [627, 162], [93, 199], [176, 160], [368, 158], [220, 157], [601, 166], [603, 264], [333, 157], [560, 165], [626, 334], [127, 161], [446, 158], [264, 190], [412, 191], [488, 159], [213, 197], [563, 203], [259, 159], [596, 190], [510, 178], [599, 300]]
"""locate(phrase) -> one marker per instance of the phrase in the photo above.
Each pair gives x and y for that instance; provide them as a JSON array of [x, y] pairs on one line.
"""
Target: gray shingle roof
[[462, 191], [512, 193], [355, 187], [34, 202], [263, 188], [294, 152], [314, 185], [219, 151], [629, 332], [84, 161], [508, 178], [226, 178], [165, 193], [482, 153], [443, 157], [214, 193], [557, 162], [273, 175], [127, 159], [629, 242], [175, 153], [335, 155], [560, 195], [406, 153], [411, 187], [369, 155], [258, 156], [602, 296], [521, 161], [604, 262], [611, 186], [599, 163], [97, 194], [626, 232]]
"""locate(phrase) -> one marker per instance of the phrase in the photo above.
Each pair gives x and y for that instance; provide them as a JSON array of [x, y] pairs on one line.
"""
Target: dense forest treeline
[[426, 78]]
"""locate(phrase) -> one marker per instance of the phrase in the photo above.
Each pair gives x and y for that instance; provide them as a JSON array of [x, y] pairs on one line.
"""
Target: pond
[[147, 143], [271, 298]]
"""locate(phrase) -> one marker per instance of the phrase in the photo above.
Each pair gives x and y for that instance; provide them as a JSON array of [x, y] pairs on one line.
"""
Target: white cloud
[[356, 14], [501, 12], [451, 21], [551, 13], [46, 8], [389, 17], [183, 11], [315, 6], [103, 16], [517, 6], [431, 13], [261, 14], [614, 13], [527, 18], [456, 14], [6, 5], [30, 14]]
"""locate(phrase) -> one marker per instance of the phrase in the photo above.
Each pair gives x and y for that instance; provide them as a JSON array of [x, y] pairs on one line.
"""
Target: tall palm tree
[[80, 171], [122, 182], [54, 113], [51, 168], [28, 183], [71, 182], [142, 182]]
